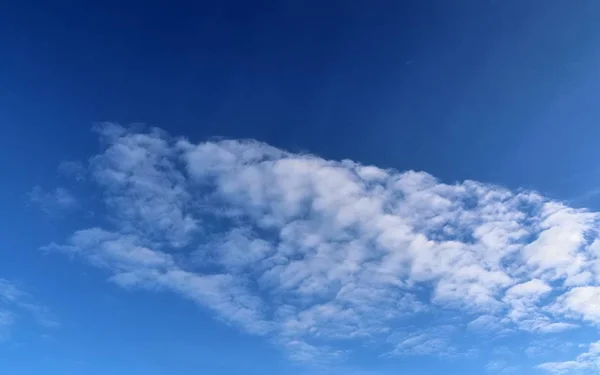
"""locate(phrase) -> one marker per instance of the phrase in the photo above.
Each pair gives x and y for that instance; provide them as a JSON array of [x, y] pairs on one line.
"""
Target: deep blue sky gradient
[[419, 85]]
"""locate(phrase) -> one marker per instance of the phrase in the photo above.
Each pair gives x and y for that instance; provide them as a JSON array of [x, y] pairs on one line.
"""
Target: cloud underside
[[317, 255]]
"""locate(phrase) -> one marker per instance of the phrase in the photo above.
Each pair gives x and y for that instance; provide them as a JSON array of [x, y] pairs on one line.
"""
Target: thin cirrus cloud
[[53, 202], [317, 254], [15, 304]]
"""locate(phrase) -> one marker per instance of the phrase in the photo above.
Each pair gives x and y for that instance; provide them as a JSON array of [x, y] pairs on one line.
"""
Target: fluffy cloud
[[581, 302], [316, 254]]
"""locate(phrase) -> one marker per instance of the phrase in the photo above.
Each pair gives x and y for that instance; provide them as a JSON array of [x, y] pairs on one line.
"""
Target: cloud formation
[[15, 303], [587, 362], [316, 254]]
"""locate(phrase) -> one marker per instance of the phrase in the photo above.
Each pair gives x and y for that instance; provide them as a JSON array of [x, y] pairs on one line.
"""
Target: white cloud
[[523, 300], [317, 253], [116, 251], [422, 345], [587, 361], [548, 347], [556, 251], [581, 302], [567, 367], [487, 324], [144, 189], [134, 264], [9, 293], [530, 289], [555, 327], [435, 341]]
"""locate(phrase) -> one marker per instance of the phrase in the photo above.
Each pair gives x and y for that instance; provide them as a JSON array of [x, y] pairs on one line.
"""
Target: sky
[[299, 187]]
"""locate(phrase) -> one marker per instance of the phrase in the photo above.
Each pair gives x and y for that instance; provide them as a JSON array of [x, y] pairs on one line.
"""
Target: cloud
[[73, 169], [486, 324], [580, 302], [8, 292], [319, 255], [501, 367], [7, 319], [523, 300], [548, 347], [587, 361], [134, 265], [435, 341], [16, 303], [145, 191], [53, 202]]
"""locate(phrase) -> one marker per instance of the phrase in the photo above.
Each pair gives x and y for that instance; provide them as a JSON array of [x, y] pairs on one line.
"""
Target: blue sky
[[299, 187]]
